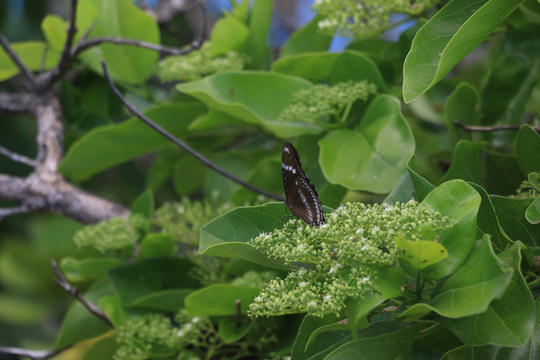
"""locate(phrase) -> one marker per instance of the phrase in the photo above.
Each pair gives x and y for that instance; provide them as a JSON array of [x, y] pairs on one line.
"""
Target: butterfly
[[300, 196]]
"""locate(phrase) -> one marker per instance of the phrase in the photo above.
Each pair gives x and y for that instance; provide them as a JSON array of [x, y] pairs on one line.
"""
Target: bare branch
[[17, 157], [66, 57], [16, 103], [17, 60], [206, 162], [73, 291], [471, 128], [32, 354], [13, 211], [86, 44]]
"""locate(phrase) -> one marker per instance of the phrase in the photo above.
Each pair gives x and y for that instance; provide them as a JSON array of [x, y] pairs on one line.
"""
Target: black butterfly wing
[[300, 195]]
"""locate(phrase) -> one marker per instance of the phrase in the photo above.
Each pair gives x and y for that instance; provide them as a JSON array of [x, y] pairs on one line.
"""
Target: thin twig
[[65, 58], [5, 212], [73, 291], [206, 162], [471, 128], [17, 60], [86, 44], [205, 22], [17, 157], [32, 354]]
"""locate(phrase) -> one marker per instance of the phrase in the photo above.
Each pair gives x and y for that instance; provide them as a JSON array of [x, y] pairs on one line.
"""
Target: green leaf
[[534, 179], [219, 300], [78, 323], [421, 254], [508, 321], [121, 18], [157, 245], [306, 40], [229, 332], [447, 38], [260, 20], [144, 204], [531, 350], [228, 235], [351, 65], [186, 182], [528, 149], [470, 289], [511, 215], [460, 106], [467, 162], [387, 345], [308, 326], [532, 214], [31, 54], [372, 157], [254, 97], [228, 34], [391, 282], [110, 145], [55, 30], [411, 186], [87, 269], [488, 223], [112, 307], [156, 283], [312, 66], [102, 348], [458, 201], [514, 67]]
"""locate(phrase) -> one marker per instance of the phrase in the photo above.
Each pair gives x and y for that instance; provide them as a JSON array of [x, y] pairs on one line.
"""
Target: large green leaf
[[470, 289], [78, 323], [447, 38], [300, 351], [532, 214], [498, 173], [228, 235], [307, 39], [459, 201], [351, 65], [256, 47], [254, 97], [373, 156], [314, 66], [110, 145], [531, 350], [488, 223], [220, 299], [31, 54], [508, 321], [121, 18], [528, 149], [228, 34], [511, 215], [381, 346], [156, 283], [460, 106]]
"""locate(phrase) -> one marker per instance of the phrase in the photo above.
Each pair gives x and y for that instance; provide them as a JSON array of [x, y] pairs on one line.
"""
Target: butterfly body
[[300, 195]]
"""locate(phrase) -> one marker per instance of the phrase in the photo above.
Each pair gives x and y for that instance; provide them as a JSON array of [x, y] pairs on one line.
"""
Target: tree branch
[[16, 103], [73, 291], [32, 354], [17, 60], [17, 157], [206, 162], [471, 128]]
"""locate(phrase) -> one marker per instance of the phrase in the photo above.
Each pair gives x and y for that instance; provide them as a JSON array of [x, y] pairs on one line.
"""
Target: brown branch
[[474, 128], [17, 157], [16, 103], [206, 162], [45, 189], [17, 60], [73, 291], [32, 354]]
